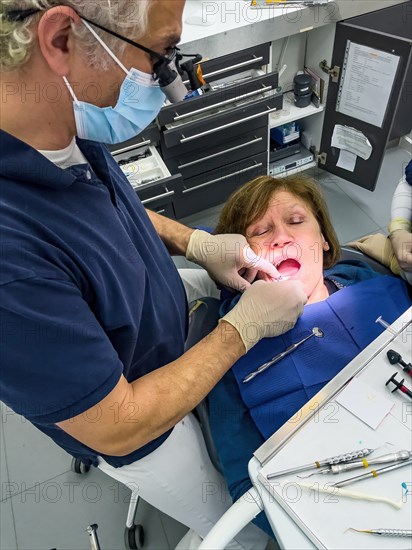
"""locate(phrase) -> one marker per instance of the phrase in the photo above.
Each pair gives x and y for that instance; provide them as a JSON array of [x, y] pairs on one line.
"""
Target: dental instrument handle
[[276, 359], [347, 457], [386, 532], [384, 459], [372, 473]]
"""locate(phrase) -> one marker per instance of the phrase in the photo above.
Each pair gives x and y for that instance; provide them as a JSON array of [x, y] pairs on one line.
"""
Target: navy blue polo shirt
[[88, 291]]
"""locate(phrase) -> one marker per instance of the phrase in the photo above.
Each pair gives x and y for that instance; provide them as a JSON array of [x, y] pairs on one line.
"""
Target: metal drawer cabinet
[[149, 136], [214, 187], [161, 197], [216, 101], [195, 163], [221, 126]]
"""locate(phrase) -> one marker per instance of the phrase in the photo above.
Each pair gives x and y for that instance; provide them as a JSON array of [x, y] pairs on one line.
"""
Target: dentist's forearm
[[174, 234], [133, 414]]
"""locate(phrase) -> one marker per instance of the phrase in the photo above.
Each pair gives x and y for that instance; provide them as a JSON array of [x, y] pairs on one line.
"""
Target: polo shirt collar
[[21, 162]]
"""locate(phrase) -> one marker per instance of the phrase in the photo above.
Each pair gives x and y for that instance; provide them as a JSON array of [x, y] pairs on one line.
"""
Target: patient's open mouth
[[288, 267]]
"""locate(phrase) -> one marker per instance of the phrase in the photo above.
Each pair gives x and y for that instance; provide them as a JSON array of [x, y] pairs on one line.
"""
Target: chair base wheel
[[134, 537], [78, 467]]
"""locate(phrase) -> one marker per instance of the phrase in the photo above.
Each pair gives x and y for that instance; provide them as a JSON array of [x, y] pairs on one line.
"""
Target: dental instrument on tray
[[395, 358], [372, 473], [385, 325], [384, 459], [399, 385], [385, 532], [316, 331], [338, 459], [334, 491]]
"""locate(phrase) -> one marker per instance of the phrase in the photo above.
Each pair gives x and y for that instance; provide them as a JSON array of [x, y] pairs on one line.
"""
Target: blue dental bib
[[347, 319]]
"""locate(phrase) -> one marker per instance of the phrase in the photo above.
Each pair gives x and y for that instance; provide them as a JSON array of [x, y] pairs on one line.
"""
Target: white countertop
[[237, 26]]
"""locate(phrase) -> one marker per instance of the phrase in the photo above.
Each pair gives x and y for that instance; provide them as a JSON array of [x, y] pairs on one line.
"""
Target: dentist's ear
[[55, 38]]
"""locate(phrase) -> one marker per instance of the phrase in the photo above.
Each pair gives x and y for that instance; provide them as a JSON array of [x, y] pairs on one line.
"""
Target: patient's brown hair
[[250, 202]]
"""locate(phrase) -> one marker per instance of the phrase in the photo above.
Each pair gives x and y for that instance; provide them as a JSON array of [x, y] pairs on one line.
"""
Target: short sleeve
[[56, 360]]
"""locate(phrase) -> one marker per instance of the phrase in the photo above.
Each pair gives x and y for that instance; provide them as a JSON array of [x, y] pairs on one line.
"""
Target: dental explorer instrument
[[384, 459], [347, 457], [385, 532], [316, 331], [372, 473]]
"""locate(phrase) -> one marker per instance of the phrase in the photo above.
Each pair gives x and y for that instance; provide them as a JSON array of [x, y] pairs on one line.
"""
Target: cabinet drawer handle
[[161, 196], [257, 165], [198, 161], [226, 102], [130, 147], [238, 66], [225, 126]]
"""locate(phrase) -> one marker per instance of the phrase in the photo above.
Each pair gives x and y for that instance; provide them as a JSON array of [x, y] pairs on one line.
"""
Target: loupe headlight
[[169, 79]]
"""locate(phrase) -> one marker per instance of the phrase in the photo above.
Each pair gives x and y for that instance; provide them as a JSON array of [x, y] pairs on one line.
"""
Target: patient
[[287, 222]]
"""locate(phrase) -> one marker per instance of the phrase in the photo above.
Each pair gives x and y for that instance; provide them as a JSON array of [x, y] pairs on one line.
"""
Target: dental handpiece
[[384, 459]]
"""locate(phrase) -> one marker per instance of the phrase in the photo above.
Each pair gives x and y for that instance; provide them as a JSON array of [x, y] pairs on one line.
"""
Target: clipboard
[[354, 37]]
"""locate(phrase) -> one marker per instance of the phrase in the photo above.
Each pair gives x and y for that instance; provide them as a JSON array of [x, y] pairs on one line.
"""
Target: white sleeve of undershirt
[[402, 201]]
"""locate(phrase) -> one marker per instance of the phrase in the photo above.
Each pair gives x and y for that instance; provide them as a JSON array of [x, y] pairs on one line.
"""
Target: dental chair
[[203, 318]]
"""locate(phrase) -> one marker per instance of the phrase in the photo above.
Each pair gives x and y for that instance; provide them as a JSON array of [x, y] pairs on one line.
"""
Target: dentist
[[93, 312]]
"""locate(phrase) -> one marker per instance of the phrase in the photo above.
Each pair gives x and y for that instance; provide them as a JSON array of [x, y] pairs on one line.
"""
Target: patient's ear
[[325, 244]]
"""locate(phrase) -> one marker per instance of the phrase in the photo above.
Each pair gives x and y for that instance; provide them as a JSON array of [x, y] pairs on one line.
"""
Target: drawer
[[235, 63], [213, 188], [149, 136], [161, 196], [194, 163], [210, 103], [222, 126]]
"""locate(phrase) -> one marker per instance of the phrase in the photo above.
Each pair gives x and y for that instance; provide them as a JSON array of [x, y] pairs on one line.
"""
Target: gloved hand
[[401, 241], [266, 310], [223, 256]]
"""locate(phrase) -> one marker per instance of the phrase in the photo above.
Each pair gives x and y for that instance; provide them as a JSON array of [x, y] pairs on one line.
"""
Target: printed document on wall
[[367, 79]]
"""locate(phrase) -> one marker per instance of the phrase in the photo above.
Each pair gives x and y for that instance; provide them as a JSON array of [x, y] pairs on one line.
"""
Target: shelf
[[297, 170], [290, 113]]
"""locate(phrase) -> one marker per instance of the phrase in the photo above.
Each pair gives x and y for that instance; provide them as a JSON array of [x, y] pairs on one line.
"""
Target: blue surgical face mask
[[139, 102]]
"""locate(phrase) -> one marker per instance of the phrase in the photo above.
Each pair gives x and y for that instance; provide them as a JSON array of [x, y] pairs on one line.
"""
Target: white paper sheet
[[351, 140], [365, 403], [347, 160], [366, 83]]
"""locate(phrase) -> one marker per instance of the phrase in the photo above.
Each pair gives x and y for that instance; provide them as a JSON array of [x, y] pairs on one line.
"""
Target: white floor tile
[[7, 529], [349, 221], [173, 529], [32, 457], [377, 204], [56, 514]]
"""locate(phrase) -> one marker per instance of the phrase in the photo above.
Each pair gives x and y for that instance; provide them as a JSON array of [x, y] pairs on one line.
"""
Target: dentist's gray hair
[[127, 17]]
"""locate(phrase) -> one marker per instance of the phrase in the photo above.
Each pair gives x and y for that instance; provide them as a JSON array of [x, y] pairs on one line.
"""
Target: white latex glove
[[401, 241], [224, 256], [266, 310]]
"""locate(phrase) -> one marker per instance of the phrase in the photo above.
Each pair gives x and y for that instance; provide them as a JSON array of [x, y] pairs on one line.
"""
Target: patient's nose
[[280, 237]]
